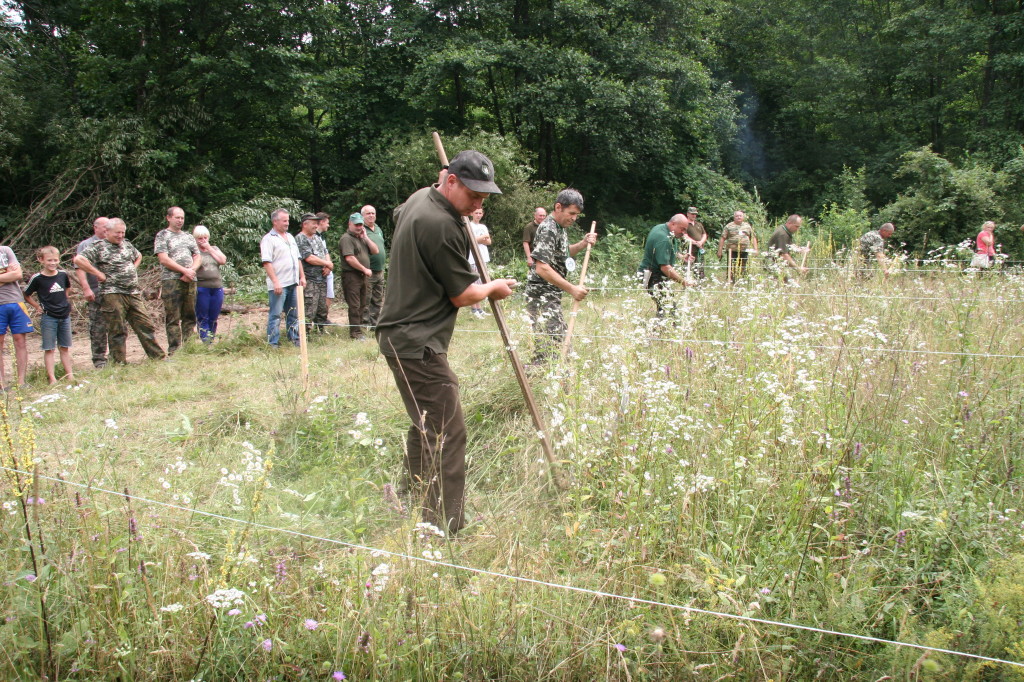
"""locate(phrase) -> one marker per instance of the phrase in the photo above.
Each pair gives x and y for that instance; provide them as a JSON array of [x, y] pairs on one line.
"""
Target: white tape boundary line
[[716, 342], [532, 581]]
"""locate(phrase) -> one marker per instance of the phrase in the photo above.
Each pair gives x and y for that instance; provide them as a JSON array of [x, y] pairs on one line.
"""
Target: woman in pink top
[[986, 245]]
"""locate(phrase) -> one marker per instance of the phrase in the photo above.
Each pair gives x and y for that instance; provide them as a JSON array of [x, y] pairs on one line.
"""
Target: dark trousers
[[179, 311], [737, 263], [657, 287], [97, 332], [354, 284], [436, 443], [121, 308], [376, 298], [209, 301]]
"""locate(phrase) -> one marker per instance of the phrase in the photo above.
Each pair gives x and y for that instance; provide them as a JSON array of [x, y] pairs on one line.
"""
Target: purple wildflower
[[267, 645], [338, 675], [311, 624], [620, 647]]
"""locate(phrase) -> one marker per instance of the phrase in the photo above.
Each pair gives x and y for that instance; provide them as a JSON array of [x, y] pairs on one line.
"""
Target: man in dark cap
[[317, 264], [356, 249], [696, 238], [428, 281]]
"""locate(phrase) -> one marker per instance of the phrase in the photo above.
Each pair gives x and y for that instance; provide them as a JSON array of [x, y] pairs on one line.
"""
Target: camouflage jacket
[[312, 246], [117, 263], [551, 246], [737, 237], [180, 246], [871, 244]]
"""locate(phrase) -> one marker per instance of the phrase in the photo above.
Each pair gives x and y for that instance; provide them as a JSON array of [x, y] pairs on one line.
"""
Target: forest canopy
[[901, 110]]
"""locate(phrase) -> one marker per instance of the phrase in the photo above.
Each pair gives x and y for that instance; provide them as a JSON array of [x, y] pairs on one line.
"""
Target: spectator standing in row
[[322, 225], [483, 240], [51, 286], [209, 285], [13, 315], [737, 239], [356, 249], [280, 257], [91, 291], [114, 261], [553, 259], [698, 237], [530, 231], [179, 259], [378, 263], [316, 264]]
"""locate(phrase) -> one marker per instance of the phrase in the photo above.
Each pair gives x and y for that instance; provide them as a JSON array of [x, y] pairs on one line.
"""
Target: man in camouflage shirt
[[552, 257], [872, 244], [179, 258], [91, 292], [316, 263], [114, 262], [737, 238]]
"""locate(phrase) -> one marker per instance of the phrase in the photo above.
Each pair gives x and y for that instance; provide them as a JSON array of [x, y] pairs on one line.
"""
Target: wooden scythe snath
[[517, 365], [807, 250], [576, 304]]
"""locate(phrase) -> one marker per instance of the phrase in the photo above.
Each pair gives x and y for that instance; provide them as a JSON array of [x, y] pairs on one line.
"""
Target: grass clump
[[778, 452]]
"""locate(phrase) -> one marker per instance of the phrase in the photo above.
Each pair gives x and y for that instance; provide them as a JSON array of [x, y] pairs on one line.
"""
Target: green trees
[[647, 106]]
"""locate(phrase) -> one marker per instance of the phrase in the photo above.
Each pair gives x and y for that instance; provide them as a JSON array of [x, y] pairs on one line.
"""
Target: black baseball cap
[[475, 171]]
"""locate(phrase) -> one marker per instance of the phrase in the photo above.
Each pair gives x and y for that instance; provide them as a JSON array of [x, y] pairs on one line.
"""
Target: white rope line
[[788, 293], [523, 579], [716, 342]]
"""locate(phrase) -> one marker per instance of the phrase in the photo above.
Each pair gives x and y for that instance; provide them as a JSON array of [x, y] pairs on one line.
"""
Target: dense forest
[[850, 111]]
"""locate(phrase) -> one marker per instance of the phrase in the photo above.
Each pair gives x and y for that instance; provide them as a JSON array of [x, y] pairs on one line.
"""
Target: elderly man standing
[[429, 280], [316, 263], [179, 258], [91, 291], [780, 245], [280, 257], [697, 237], [114, 262], [378, 262], [552, 255], [356, 249], [737, 238], [660, 258], [872, 244], [530, 232]]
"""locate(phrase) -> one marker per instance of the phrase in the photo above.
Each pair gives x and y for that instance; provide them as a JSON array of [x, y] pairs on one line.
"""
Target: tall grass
[[767, 454]]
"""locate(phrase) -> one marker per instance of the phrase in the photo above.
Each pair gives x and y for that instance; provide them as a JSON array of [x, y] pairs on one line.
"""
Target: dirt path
[[234, 317]]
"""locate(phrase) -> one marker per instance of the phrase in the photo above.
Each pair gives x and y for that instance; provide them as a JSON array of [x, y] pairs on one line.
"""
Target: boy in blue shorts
[[51, 287], [13, 314]]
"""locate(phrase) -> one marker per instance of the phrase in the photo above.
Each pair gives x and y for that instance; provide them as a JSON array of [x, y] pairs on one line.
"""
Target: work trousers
[[179, 311], [97, 332], [121, 310], [376, 298], [545, 312], [315, 299], [354, 283], [436, 442]]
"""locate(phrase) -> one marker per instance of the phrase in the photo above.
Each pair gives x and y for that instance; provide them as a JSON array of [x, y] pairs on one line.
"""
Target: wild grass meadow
[[838, 453]]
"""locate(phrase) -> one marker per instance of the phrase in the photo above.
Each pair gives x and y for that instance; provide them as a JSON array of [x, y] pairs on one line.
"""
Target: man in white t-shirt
[[280, 256]]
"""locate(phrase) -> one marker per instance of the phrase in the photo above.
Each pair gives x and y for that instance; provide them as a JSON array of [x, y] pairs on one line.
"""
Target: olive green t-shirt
[[428, 268], [780, 241]]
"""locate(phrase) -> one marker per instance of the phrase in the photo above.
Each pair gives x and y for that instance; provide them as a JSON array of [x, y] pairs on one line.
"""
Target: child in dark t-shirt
[[51, 288]]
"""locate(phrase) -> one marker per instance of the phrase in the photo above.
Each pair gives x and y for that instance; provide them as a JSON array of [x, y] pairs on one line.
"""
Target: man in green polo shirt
[[378, 262], [659, 260], [429, 280]]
